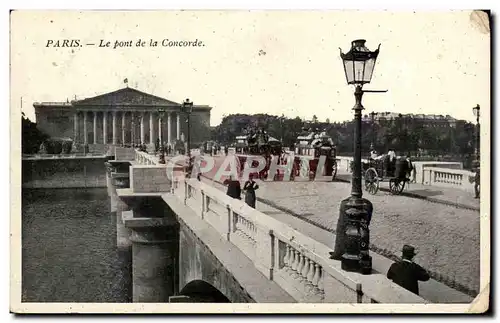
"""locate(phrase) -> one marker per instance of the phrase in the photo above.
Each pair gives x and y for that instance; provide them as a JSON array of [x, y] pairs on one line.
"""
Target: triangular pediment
[[125, 97]]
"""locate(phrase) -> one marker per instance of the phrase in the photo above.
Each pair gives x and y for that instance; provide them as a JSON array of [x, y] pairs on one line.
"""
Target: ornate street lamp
[[475, 110], [161, 114], [187, 107], [372, 115], [353, 235], [282, 120]]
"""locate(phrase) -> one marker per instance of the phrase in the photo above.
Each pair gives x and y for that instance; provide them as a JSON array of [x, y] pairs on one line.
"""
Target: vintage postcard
[[320, 161]]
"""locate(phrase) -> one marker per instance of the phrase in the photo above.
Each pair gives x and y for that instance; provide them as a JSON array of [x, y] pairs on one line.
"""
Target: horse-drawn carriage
[[310, 146], [257, 143], [396, 172]]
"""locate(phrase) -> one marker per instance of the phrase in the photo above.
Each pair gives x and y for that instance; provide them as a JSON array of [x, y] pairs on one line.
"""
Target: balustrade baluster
[[300, 265], [286, 257], [295, 262], [315, 279], [309, 276], [311, 271], [305, 269], [320, 279]]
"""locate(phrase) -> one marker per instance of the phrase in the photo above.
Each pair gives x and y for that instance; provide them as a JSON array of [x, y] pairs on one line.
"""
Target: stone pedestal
[[154, 252]]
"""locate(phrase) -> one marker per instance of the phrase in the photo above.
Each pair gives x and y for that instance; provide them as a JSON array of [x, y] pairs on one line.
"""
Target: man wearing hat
[[406, 273]]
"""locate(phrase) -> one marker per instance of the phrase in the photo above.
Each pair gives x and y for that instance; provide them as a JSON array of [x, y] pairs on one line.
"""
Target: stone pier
[[155, 243], [117, 172]]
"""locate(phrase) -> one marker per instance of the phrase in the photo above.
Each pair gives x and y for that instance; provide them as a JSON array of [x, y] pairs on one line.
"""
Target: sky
[[275, 62]]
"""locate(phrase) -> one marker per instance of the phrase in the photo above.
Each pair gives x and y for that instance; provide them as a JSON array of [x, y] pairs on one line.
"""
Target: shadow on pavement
[[426, 192]]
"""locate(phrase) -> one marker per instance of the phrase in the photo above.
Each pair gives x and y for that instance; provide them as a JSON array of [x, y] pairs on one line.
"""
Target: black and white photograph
[[278, 161]]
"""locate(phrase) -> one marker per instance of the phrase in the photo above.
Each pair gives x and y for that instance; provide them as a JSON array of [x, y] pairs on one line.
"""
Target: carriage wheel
[[371, 181], [334, 170], [396, 186]]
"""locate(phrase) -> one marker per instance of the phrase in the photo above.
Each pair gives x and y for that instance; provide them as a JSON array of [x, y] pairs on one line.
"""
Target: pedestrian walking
[[406, 273], [233, 188], [477, 182], [249, 188]]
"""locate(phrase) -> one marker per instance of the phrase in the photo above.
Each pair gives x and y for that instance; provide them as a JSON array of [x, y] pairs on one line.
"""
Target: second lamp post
[[353, 235], [187, 107], [475, 110]]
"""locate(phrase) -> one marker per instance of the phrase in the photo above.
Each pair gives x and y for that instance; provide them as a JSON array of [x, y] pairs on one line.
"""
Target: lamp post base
[[352, 235]]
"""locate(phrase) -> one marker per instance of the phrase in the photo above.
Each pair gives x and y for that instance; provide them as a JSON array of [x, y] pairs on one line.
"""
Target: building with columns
[[123, 117]]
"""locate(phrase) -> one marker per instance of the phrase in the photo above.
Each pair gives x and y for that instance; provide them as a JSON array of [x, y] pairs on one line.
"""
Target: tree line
[[31, 137], [404, 134]]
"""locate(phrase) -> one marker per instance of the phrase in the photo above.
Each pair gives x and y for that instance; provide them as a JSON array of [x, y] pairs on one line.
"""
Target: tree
[[314, 119], [32, 138]]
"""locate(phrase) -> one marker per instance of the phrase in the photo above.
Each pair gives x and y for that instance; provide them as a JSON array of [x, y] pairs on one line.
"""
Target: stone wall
[[61, 172], [123, 153], [149, 178], [198, 263]]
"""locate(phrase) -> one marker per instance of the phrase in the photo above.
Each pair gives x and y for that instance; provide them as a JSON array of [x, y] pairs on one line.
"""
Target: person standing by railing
[[406, 273], [233, 188], [249, 188]]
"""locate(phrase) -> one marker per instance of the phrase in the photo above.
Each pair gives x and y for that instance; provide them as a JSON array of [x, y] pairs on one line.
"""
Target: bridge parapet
[[446, 177], [297, 263]]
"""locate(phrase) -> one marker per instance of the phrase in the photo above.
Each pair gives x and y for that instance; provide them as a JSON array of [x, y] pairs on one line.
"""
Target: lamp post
[[372, 115], [353, 235], [161, 114], [282, 119], [187, 107], [475, 110]]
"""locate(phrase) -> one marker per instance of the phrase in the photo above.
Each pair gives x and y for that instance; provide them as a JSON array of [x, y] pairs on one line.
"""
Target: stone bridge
[[189, 242]]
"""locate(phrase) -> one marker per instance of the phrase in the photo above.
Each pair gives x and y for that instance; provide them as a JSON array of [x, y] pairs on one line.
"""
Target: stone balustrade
[[446, 177], [144, 158], [297, 263]]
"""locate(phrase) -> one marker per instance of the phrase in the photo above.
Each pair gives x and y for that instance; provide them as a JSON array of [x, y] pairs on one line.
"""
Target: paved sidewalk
[[432, 290], [450, 196]]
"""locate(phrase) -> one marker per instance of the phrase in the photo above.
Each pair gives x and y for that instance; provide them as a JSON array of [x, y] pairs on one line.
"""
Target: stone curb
[[420, 197]]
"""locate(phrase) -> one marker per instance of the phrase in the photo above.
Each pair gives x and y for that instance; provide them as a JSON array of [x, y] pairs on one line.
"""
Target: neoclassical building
[[123, 117]]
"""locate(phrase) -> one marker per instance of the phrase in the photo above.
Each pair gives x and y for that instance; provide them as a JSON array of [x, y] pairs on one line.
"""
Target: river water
[[69, 248]]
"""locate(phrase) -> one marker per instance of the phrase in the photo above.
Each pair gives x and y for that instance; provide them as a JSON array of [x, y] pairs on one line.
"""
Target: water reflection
[[69, 248]]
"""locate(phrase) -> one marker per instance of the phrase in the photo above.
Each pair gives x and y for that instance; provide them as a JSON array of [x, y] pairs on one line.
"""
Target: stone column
[[178, 126], [154, 247], [151, 129], [160, 132], [169, 127], [114, 127], [95, 127], [123, 128], [105, 127], [75, 117], [85, 134], [142, 128]]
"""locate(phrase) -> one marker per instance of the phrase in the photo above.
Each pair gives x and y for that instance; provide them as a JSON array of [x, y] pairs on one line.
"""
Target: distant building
[[430, 120], [123, 117]]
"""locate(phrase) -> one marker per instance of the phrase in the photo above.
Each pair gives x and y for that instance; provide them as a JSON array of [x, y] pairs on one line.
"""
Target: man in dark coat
[[233, 188], [406, 273]]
